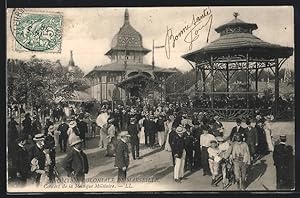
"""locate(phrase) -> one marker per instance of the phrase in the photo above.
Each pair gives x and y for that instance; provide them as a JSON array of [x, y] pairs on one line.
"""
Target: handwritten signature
[[192, 31]]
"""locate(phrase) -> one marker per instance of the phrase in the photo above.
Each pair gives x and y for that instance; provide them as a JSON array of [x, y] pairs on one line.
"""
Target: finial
[[126, 16], [236, 14]]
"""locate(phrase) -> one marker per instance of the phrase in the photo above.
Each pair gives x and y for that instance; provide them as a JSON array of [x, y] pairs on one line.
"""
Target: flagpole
[[153, 55]]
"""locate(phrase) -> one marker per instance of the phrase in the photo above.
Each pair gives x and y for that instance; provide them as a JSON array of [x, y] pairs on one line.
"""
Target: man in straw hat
[[122, 156], [37, 158], [179, 154], [213, 160], [283, 160], [76, 162], [241, 160]]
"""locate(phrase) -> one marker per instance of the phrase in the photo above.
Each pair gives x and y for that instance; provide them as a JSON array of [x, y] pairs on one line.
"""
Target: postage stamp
[[37, 31]]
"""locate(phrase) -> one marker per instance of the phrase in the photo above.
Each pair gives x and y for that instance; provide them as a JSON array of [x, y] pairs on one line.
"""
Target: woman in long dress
[[268, 133], [168, 128], [142, 131], [72, 131]]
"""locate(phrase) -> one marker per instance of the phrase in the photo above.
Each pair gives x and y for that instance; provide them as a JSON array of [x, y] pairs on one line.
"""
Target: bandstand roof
[[236, 36]]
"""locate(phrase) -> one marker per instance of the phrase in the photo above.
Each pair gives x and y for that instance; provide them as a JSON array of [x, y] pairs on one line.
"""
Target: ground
[[156, 172]]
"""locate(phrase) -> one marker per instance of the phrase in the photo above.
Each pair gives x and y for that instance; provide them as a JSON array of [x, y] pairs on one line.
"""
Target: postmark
[[37, 31]]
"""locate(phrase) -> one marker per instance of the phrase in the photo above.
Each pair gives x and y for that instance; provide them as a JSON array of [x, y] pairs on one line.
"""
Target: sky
[[89, 31]]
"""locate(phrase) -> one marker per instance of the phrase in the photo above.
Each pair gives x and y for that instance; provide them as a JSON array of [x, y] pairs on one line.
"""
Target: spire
[[236, 14], [71, 61], [126, 16]]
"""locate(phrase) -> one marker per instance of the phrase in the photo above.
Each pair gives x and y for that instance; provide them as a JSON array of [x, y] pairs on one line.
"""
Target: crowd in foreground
[[193, 142]]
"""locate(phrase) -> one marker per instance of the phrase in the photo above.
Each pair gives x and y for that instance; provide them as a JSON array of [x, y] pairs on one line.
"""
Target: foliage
[[40, 81]]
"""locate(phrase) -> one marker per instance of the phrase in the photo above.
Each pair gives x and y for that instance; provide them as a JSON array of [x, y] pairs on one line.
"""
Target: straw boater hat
[[75, 140], [220, 139], [110, 120], [39, 137], [269, 117], [124, 133], [72, 124], [51, 128], [180, 129], [213, 141], [216, 117], [258, 117], [171, 117]]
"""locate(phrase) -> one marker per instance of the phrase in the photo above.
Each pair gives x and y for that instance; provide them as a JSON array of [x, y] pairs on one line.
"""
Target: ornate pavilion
[[237, 49], [127, 77]]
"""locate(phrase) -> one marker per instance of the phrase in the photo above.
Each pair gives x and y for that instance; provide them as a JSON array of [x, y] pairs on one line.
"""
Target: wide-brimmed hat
[[110, 120], [269, 117], [213, 141], [258, 117], [216, 117], [171, 117], [220, 139], [51, 128], [39, 137], [72, 124], [124, 133], [180, 129], [75, 140]]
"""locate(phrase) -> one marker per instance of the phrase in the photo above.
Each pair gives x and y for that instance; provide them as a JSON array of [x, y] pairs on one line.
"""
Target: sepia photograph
[[150, 99]]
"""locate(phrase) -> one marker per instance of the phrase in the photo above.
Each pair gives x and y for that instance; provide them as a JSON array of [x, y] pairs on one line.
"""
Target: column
[[276, 88]]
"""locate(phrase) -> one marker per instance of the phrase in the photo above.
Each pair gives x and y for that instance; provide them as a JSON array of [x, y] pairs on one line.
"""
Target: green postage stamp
[[37, 31]]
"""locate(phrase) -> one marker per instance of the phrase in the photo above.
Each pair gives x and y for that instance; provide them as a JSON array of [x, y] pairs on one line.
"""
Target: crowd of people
[[194, 142]]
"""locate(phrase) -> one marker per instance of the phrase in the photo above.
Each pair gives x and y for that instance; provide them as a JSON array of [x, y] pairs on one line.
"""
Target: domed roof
[[128, 38]]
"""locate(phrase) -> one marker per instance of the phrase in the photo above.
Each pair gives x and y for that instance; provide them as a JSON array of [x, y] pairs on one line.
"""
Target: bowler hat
[[282, 137], [238, 120]]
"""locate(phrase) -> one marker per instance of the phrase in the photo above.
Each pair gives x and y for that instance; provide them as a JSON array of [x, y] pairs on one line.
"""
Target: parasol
[[102, 119]]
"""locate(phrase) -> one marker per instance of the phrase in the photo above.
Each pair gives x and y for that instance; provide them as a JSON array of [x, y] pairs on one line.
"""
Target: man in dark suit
[[134, 141], [196, 133], [238, 129], [251, 138], [179, 154], [63, 136], [37, 157], [151, 130], [21, 161], [172, 136], [122, 156], [82, 127], [76, 162], [283, 158]]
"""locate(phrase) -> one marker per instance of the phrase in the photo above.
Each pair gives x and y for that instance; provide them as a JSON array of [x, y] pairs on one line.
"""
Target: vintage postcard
[[135, 99]]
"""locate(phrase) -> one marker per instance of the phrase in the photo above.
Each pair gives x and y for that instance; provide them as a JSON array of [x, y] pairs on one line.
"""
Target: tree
[[40, 81]]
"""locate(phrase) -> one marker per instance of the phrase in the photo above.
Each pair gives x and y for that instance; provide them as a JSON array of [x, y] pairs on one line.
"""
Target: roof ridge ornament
[[236, 14], [126, 16]]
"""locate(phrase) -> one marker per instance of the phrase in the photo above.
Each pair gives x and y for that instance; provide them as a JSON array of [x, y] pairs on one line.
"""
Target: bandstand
[[236, 50]]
